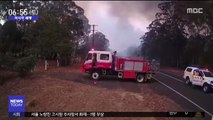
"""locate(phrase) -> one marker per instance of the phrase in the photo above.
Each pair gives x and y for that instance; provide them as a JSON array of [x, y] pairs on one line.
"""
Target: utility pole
[[93, 38], [141, 47]]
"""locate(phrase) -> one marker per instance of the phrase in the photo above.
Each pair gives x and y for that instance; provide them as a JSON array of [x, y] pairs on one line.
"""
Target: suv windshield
[[208, 74]]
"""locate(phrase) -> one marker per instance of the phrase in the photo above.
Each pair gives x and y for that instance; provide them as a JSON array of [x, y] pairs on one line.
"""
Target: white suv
[[199, 77]]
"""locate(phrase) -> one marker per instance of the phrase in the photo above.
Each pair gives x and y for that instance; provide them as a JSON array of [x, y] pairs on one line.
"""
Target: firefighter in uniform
[[114, 60], [94, 60]]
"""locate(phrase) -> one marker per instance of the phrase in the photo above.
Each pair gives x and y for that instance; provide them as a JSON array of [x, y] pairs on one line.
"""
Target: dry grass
[[45, 93]]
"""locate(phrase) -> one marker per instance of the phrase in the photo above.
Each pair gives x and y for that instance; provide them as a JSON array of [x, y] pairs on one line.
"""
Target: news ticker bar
[[107, 114]]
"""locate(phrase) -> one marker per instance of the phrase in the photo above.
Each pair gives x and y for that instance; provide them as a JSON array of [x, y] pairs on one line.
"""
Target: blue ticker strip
[[22, 17], [11, 18], [34, 17]]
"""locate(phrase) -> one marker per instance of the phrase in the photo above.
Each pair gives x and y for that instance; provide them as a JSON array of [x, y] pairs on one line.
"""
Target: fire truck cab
[[100, 63], [98, 60]]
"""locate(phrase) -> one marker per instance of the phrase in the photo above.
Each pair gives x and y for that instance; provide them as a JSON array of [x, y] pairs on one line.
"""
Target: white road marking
[[175, 79], [184, 97], [172, 77]]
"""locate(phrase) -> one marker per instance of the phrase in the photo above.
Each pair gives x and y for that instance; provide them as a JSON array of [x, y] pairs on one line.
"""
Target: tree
[[100, 43], [14, 50], [174, 34], [194, 50], [57, 32], [11, 40], [165, 37]]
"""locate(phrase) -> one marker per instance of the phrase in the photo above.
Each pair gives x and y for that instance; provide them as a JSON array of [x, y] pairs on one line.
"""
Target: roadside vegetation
[[62, 33], [178, 38]]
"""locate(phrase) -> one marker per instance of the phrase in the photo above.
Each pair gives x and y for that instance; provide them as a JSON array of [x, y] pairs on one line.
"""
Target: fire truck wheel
[[95, 75], [120, 75], [140, 78]]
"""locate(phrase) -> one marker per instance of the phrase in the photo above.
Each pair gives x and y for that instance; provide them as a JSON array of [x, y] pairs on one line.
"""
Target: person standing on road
[[94, 62], [114, 60]]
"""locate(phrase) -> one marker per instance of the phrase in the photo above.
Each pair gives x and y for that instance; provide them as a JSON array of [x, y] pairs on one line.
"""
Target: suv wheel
[[188, 81], [206, 88]]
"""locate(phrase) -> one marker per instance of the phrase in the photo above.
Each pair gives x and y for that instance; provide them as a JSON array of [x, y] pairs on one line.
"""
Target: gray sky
[[123, 22]]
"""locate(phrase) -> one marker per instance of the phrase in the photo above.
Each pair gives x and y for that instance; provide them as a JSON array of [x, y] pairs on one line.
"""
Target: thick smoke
[[122, 22], [137, 9]]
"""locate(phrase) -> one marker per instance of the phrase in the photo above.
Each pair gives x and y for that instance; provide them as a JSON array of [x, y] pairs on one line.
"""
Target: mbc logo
[[195, 10]]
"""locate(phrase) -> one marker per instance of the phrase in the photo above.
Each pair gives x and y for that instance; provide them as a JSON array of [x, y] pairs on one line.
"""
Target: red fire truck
[[100, 63]]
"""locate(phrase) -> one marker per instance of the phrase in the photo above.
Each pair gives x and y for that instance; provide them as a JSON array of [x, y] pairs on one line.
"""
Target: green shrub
[[7, 62], [25, 65], [64, 61]]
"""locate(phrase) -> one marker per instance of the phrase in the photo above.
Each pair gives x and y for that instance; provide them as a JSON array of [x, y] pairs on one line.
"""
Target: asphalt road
[[189, 98]]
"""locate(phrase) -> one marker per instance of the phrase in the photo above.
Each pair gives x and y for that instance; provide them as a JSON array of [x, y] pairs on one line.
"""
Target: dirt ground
[[66, 89]]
